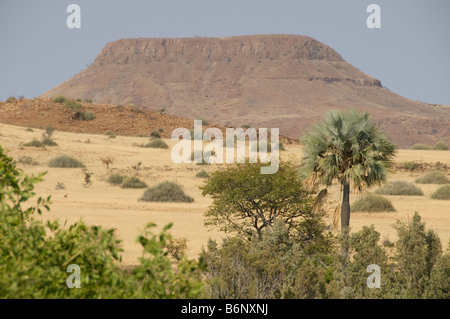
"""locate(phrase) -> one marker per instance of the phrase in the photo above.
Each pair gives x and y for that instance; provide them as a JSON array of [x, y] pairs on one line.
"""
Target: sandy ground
[[118, 208]]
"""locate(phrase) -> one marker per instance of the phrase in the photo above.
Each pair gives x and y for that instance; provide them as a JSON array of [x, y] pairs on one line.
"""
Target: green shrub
[[65, 161], [115, 179], [155, 134], [410, 166], [400, 188], [202, 174], [88, 100], [132, 182], [79, 99], [166, 192], [442, 193], [11, 99], [433, 177], [47, 141], [29, 129], [34, 143], [440, 146], [87, 116], [157, 143], [372, 203], [60, 99], [421, 147]]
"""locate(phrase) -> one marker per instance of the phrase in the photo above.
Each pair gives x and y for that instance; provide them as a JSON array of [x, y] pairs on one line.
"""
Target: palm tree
[[348, 148]]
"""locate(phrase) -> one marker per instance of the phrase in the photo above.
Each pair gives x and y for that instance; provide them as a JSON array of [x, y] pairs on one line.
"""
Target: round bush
[[202, 174], [47, 141], [60, 99], [166, 192], [115, 179], [132, 182], [65, 161], [433, 177], [440, 146], [442, 193], [372, 203], [34, 143], [157, 143], [87, 116], [400, 188]]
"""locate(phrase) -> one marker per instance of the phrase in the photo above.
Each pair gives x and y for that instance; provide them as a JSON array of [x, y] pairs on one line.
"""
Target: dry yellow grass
[[119, 208]]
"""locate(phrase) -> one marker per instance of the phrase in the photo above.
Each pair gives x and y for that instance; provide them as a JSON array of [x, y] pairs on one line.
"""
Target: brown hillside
[[284, 81]]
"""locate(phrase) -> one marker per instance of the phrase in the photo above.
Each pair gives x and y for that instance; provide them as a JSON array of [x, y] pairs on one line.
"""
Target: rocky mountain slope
[[284, 81]]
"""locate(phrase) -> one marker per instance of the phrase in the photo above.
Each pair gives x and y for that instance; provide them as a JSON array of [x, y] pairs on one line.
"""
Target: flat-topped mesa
[[148, 50]]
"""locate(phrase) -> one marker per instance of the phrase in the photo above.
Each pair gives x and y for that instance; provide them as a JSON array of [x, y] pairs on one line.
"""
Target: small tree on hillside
[[72, 106]]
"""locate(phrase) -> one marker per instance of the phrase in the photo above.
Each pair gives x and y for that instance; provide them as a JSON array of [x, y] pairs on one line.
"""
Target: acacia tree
[[348, 148], [247, 202]]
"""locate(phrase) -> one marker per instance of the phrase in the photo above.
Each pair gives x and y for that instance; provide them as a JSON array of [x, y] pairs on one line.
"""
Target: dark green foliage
[[11, 99], [157, 143], [155, 134], [399, 188], [36, 256], [442, 193], [372, 203], [65, 161], [60, 99], [34, 143], [433, 177], [115, 179], [166, 192], [202, 174], [132, 182]]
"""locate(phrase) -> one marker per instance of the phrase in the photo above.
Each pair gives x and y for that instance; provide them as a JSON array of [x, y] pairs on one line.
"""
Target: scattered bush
[[400, 188], [49, 130], [166, 192], [27, 160], [88, 100], [60, 185], [433, 177], [132, 182], [87, 116], [157, 143], [440, 146], [442, 193], [47, 141], [79, 100], [155, 134], [371, 203], [410, 166], [60, 99], [115, 179], [11, 99], [421, 147], [29, 129], [34, 143], [65, 161], [202, 174]]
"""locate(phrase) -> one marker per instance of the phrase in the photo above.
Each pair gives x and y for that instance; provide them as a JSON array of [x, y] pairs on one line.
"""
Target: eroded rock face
[[284, 81]]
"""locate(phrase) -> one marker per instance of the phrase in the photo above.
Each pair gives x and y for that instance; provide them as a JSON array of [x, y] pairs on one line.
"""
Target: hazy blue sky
[[410, 54]]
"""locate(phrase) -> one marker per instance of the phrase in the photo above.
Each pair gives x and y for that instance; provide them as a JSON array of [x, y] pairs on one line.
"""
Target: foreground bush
[[400, 188], [442, 193], [38, 258], [166, 192], [132, 182], [433, 177], [157, 143], [371, 203], [65, 161]]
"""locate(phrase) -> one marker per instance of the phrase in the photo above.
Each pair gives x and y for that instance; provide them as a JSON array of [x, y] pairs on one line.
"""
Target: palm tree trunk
[[345, 207]]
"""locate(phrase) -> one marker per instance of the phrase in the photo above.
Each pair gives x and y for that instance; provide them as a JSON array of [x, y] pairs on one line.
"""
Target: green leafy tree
[[348, 148], [246, 202], [72, 106]]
